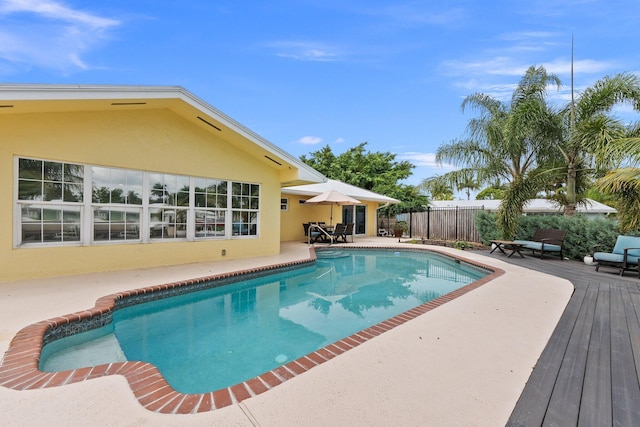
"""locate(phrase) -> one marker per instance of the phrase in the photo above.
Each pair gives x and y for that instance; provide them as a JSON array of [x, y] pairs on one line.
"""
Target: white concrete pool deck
[[464, 363]]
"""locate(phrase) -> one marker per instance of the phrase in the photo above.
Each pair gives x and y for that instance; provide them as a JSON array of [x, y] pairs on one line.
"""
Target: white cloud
[[310, 140], [48, 34], [424, 159], [305, 51], [340, 140]]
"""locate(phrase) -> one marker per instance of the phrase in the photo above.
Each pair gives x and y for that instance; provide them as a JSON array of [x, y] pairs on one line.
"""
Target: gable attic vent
[[210, 124], [277, 163]]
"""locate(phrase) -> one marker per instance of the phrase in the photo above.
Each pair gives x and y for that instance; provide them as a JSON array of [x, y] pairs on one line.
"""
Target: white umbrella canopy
[[332, 197]]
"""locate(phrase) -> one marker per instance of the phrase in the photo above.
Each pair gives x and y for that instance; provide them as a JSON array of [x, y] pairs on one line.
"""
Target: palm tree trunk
[[570, 208]]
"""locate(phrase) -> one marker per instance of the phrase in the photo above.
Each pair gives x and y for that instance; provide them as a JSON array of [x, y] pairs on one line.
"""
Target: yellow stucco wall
[[148, 140], [291, 221]]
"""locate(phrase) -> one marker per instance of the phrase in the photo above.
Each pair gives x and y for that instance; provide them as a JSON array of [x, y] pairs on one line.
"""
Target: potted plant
[[400, 228], [588, 259]]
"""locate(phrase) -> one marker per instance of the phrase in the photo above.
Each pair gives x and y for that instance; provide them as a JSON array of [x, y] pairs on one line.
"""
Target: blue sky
[[310, 73]]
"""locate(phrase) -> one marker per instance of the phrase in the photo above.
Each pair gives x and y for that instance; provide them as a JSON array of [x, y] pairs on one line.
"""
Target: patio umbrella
[[332, 197]]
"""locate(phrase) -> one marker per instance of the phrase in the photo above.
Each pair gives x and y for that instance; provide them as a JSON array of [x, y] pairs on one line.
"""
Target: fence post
[[410, 223], [428, 222], [456, 222]]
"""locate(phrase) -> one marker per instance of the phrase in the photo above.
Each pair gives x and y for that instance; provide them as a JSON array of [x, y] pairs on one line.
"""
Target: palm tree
[[624, 183], [436, 188], [509, 143], [588, 129], [467, 183]]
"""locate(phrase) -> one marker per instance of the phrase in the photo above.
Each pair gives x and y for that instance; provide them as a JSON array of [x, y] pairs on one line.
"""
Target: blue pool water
[[215, 338]]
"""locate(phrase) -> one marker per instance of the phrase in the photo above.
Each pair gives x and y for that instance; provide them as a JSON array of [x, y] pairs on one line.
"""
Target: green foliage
[[462, 245], [582, 233], [624, 183], [402, 226], [486, 226], [437, 188], [374, 171], [491, 193]]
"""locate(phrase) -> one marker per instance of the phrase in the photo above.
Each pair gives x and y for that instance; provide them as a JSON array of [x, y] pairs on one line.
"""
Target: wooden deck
[[588, 374]]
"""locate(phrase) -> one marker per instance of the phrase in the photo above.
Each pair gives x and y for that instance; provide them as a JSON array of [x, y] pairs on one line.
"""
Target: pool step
[[331, 254]]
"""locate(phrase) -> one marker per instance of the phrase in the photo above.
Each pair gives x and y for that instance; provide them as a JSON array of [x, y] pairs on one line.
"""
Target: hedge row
[[582, 233]]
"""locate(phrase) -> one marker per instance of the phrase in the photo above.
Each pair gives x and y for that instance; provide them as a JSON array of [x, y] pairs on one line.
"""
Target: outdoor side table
[[508, 245]]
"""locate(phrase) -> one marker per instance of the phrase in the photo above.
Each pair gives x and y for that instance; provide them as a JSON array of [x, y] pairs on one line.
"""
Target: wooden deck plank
[[634, 325], [532, 404], [595, 406], [625, 390], [564, 405], [623, 319]]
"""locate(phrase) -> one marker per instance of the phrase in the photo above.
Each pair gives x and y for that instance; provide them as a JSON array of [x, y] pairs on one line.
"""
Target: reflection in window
[[116, 186], [210, 193], [167, 223], [168, 190], [210, 199], [245, 196], [245, 223], [210, 223], [128, 205], [40, 180], [116, 223], [50, 223], [245, 202]]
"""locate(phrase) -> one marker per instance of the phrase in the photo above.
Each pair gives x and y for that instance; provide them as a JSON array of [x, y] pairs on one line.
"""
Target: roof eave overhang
[[292, 171]]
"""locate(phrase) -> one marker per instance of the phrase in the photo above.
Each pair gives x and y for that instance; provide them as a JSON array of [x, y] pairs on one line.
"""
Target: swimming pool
[[218, 337], [19, 368]]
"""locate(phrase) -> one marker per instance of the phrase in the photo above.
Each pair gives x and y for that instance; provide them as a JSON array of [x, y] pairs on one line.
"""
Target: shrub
[[582, 233]]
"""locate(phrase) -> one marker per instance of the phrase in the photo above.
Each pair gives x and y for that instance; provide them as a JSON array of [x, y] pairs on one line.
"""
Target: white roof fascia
[[533, 205], [39, 92]]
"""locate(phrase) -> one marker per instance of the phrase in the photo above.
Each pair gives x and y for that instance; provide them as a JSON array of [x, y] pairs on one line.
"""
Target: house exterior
[[104, 178], [591, 209], [294, 212]]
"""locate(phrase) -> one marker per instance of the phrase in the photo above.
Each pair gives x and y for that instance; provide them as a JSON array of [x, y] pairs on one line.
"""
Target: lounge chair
[[545, 240], [624, 255]]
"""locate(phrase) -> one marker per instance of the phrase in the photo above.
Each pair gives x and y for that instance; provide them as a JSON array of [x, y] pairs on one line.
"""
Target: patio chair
[[338, 233], [624, 255], [348, 231], [312, 234]]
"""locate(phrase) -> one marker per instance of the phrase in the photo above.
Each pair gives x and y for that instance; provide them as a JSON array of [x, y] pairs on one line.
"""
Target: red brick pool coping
[[19, 367]]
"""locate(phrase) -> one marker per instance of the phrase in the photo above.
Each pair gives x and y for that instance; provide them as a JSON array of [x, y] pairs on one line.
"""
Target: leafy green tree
[[369, 170], [374, 171]]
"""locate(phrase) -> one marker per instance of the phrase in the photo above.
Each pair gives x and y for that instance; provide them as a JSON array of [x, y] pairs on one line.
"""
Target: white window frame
[[87, 207]]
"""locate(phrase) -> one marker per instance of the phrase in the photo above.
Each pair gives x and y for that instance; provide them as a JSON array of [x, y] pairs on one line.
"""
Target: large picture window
[[56, 201]]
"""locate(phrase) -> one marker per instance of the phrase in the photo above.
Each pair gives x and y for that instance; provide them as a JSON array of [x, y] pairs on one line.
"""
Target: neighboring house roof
[[344, 188], [533, 205], [22, 98]]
